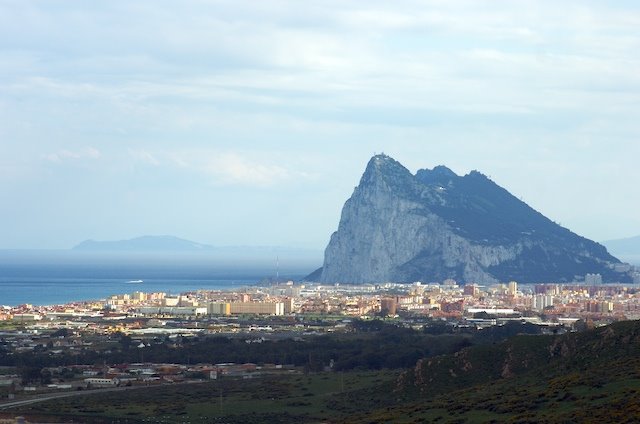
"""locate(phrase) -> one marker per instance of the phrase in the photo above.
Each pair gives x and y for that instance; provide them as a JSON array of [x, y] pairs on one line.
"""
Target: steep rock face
[[437, 225]]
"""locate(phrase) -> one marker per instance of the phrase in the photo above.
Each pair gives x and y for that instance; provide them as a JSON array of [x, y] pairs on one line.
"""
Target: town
[[282, 311]]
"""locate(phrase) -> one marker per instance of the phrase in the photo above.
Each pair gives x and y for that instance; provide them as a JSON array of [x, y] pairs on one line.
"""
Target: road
[[51, 396]]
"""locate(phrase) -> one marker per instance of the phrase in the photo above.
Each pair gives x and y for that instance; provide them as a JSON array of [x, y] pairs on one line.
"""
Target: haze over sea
[[46, 277]]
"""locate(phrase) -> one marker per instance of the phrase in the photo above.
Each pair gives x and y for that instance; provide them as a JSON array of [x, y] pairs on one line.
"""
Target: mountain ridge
[[434, 225], [624, 246], [143, 244]]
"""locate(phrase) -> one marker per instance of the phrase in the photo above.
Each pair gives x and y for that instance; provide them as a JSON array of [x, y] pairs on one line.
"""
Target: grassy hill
[[593, 376], [580, 377]]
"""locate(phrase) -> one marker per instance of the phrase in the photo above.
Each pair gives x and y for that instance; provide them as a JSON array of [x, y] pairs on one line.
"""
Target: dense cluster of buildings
[[443, 300], [285, 310]]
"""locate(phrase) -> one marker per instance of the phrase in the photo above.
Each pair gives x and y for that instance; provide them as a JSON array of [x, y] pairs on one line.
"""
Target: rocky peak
[[440, 175], [385, 168], [436, 225]]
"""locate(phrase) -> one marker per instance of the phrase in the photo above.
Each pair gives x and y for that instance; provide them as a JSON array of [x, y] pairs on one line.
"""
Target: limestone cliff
[[436, 225]]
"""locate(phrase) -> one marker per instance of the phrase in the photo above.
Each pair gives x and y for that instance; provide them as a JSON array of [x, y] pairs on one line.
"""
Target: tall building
[[471, 290], [390, 305], [547, 289], [219, 308], [288, 305], [139, 296], [593, 279], [170, 301], [541, 301], [606, 306], [512, 288], [457, 306]]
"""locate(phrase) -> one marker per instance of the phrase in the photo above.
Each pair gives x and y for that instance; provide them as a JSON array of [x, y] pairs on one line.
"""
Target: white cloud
[[231, 168], [252, 169], [64, 155], [143, 156], [236, 92]]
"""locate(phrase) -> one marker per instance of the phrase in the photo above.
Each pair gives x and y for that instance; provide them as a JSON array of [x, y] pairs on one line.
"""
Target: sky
[[250, 122]]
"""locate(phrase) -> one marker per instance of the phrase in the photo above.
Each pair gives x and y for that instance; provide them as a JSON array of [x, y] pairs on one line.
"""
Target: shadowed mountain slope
[[436, 225]]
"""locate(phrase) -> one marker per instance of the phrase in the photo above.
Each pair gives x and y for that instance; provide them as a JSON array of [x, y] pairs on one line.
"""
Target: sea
[[57, 277]]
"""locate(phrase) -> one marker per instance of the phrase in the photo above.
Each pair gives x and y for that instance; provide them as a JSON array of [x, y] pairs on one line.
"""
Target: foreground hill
[[574, 378], [436, 225], [592, 376]]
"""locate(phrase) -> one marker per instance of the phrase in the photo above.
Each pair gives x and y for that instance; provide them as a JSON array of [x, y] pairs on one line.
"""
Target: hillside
[[592, 376], [435, 225]]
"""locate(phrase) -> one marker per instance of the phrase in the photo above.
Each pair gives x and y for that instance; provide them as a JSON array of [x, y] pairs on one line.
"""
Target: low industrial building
[[247, 308], [257, 308], [172, 310]]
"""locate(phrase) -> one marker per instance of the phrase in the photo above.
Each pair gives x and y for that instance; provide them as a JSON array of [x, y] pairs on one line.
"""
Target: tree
[[45, 376], [62, 332], [29, 374], [125, 341]]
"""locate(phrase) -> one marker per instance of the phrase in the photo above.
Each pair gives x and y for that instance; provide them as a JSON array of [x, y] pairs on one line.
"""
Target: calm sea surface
[[55, 277]]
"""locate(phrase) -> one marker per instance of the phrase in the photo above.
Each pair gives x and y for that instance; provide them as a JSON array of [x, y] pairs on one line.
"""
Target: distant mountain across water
[[171, 244], [144, 244], [627, 249], [46, 277], [164, 255]]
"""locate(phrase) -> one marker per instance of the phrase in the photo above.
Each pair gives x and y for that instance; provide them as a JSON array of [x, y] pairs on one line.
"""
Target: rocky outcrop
[[436, 225]]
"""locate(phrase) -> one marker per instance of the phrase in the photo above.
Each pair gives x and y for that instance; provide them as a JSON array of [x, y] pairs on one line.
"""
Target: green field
[[362, 397], [275, 399]]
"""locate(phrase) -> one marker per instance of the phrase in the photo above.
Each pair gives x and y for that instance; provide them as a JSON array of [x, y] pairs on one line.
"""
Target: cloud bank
[[238, 102]]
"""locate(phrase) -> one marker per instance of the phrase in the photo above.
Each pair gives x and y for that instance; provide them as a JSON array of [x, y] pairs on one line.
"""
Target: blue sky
[[249, 123]]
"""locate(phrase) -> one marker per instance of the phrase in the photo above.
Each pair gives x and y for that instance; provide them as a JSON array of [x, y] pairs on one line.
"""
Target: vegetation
[[373, 345], [592, 376], [275, 399], [580, 377]]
